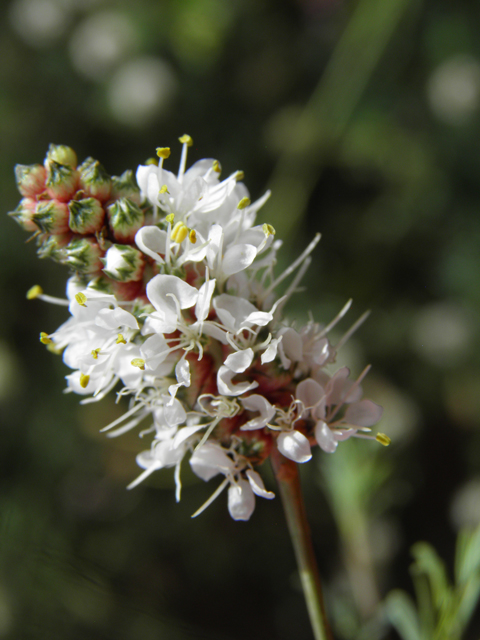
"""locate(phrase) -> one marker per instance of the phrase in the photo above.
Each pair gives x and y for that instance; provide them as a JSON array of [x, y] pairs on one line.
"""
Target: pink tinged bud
[[23, 214], [62, 180], [51, 216], [86, 216], [125, 218], [62, 154], [294, 445], [94, 180], [123, 263], [83, 255], [125, 186], [30, 179]]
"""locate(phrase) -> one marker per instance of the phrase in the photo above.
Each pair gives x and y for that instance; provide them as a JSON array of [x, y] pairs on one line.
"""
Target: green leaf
[[401, 613]]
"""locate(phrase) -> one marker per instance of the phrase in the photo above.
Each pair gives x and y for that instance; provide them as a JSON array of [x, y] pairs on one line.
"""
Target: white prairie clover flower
[[188, 323]]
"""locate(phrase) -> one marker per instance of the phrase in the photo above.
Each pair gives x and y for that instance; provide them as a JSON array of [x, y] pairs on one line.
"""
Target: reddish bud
[[86, 216], [30, 179]]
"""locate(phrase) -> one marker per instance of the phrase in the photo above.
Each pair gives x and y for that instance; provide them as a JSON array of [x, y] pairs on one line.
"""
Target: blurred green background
[[364, 119]]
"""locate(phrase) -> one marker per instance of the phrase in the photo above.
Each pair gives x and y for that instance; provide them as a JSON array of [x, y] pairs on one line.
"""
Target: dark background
[[363, 118]]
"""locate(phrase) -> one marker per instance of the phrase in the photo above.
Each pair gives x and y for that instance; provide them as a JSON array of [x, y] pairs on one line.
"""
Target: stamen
[[34, 292], [214, 495], [244, 202], [179, 233], [240, 175], [95, 353], [268, 229], [121, 339], [163, 189], [301, 258], [383, 439], [81, 298], [352, 329], [84, 380], [217, 167], [45, 339], [187, 141], [170, 218], [151, 161], [138, 362], [337, 318], [192, 236], [163, 152]]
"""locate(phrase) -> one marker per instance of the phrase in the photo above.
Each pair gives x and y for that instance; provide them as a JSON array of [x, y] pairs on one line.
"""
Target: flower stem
[[286, 473]]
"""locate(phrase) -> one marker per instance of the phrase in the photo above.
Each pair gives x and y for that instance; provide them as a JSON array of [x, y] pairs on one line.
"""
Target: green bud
[[83, 255], [125, 218], [123, 263], [52, 246], [30, 179], [61, 181], [86, 215], [62, 154], [94, 180], [125, 186], [51, 216]]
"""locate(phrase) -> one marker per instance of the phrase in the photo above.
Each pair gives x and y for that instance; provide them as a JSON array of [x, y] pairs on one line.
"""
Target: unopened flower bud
[[83, 255], [23, 214], [30, 179], [123, 263], [51, 216], [51, 246], [125, 186], [94, 180], [62, 180], [86, 216], [62, 154], [125, 218]]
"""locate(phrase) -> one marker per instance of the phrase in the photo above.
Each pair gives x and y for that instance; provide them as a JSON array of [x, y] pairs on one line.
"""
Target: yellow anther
[[163, 152], [163, 189], [383, 439], [180, 232], [151, 161], [138, 362], [268, 229], [121, 339], [217, 166], [186, 139], [192, 236], [34, 292], [44, 338], [239, 175], [84, 380], [170, 218], [81, 298], [244, 202], [95, 353]]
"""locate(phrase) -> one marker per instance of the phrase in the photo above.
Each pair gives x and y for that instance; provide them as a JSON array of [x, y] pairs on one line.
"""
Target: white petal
[[309, 392], [240, 360], [163, 288], [256, 482], [226, 386], [270, 352], [294, 445], [237, 258], [209, 460], [174, 412], [363, 414], [152, 241], [241, 500], [292, 344], [325, 437], [257, 402], [202, 308]]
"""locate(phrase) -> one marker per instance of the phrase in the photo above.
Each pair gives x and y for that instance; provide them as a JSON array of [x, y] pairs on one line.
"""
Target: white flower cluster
[[203, 353]]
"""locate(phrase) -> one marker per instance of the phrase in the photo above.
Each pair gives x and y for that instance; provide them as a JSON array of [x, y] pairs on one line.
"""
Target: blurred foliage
[[443, 610], [363, 117]]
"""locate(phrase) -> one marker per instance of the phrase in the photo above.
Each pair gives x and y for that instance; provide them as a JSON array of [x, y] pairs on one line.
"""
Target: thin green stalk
[[286, 473]]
